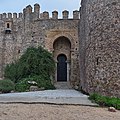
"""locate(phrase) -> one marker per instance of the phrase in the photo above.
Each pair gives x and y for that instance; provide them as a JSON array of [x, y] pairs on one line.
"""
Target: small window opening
[[8, 30], [8, 25]]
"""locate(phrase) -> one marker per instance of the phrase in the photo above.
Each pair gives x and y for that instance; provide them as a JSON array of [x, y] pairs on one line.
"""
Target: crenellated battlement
[[32, 14], [4, 16]]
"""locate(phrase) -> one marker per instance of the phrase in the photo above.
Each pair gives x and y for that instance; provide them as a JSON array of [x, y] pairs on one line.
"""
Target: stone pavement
[[59, 96]]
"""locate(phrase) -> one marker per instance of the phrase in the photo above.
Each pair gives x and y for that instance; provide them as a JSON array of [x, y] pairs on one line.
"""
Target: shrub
[[6, 86], [23, 84], [105, 101], [35, 61], [12, 71]]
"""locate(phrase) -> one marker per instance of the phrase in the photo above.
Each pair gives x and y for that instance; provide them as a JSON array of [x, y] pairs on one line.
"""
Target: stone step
[[63, 85]]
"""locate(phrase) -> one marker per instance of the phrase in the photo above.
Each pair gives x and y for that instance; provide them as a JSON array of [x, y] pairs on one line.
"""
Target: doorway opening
[[62, 68]]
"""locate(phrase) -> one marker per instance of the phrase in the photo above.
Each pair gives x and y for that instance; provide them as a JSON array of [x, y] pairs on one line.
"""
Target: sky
[[46, 5]]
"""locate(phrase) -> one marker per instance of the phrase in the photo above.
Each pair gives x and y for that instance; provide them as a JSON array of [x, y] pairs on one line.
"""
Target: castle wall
[[100, 47], [1, 46], [32, 28]]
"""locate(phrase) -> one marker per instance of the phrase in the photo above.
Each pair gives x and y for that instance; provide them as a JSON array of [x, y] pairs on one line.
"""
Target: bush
[[11, 72], [6, 86], [105, 101], [23, 85], [35, 61]]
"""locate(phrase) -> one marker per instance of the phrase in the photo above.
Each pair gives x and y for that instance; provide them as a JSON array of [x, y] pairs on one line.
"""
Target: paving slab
[[58, 96]]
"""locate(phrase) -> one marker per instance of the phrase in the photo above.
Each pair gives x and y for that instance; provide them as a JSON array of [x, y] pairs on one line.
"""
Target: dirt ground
[[55, 112]]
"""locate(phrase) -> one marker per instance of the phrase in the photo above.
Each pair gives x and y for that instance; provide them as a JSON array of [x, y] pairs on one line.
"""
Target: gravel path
[[55, 112]]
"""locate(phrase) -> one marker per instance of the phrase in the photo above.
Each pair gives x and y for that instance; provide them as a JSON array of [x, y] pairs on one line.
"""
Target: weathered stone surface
[[111, 109], [34, 88], [100, 47]]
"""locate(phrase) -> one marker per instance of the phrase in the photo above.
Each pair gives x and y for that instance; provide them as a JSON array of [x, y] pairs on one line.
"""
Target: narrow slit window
[[8, 25], [97, 60]]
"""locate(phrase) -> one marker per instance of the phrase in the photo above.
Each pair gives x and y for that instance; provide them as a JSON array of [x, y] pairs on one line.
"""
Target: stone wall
[[32, 28], [100, 47]]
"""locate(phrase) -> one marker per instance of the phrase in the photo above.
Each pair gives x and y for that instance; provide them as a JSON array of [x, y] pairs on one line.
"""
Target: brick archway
[[62, 46], [50, 41]]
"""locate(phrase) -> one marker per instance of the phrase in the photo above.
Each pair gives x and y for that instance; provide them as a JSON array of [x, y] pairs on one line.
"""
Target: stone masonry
[[33, 28], [91, 44], [100, 47]]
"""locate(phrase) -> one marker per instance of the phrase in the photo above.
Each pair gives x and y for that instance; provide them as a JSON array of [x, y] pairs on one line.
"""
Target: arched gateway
[[62, 56]]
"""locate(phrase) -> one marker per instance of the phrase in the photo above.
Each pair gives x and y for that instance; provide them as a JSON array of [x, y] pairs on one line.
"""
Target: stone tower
[[100, 47]]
